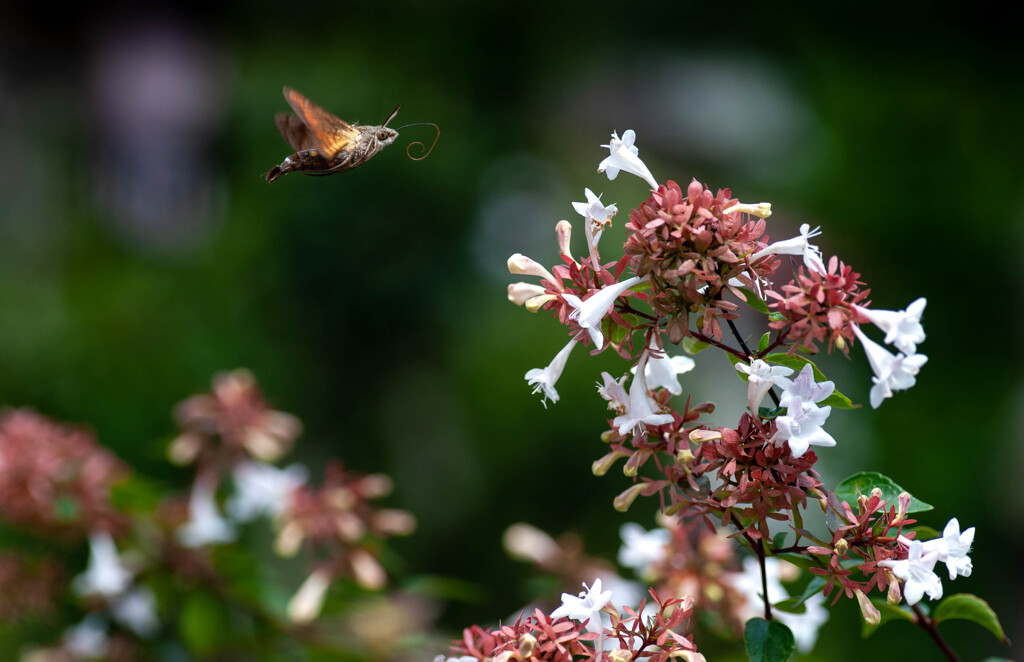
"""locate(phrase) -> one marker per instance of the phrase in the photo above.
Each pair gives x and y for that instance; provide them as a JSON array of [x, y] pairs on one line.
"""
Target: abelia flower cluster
[[339, 524], [648, 632], [694, 245], [29, 587], [55, 479], [691, 260], [231, 423], [820, 307]]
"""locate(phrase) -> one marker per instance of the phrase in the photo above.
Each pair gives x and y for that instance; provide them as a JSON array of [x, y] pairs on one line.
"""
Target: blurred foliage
[[372, 305]]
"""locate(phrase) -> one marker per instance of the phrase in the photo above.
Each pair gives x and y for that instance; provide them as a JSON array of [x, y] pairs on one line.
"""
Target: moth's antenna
[[428, 150]]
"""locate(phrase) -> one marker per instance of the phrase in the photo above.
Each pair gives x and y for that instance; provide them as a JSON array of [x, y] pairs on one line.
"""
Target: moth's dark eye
[[382, 135]]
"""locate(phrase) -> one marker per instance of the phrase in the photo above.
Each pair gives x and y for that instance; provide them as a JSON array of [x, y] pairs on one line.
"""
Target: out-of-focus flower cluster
[[153, 550], [230, 423], [55, 478]]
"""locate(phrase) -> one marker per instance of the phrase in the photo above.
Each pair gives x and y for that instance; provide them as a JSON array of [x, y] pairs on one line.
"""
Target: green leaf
[[863, 482], [779, 540], [202, 622], [616, 334], [776, 317], [768, 641], [887, 613], [754, 301], [971, 608], [797, 363], [770, 412], [765, 340], [693, 346], [924, 532]]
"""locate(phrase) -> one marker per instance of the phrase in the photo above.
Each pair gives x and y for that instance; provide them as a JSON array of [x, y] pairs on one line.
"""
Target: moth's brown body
[[325, 143]]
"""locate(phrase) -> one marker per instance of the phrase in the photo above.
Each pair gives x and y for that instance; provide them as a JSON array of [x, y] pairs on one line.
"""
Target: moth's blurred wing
[[326, 132], [294, 131]]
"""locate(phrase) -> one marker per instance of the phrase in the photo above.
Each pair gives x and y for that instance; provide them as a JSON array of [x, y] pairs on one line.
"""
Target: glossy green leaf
[[768, 641], [616, 334], [971, 608], [863, 482], [754, 301], [693, 346], [887, 613], [765, 340]]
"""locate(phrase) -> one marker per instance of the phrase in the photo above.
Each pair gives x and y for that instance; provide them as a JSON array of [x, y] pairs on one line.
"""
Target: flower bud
[[520, 264], [870, 613], [375, 485], [685, 458], [842, 547], [619, 655], [184, 449], [536, 303], [526, 643], [600, 467], [519, 293], [902, 505], [289, 539], [366, 570], [307, 602], [528, 543], [701, 435], [563, 230], [393, 522], [761, 209], [689, 656], [694, 191], [894, 595], [626, 499], [633, 464]]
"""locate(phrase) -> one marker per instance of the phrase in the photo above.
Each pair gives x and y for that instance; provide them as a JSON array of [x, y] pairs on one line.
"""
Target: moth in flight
[[326, 144]]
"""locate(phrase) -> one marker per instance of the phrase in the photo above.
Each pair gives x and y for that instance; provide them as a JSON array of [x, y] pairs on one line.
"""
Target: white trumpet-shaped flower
[[586, 607], [624, 156], [902, 328], [642, 549], [804, 387], [105, 574], [952, 549], [641, 410], [544, 379], [263, 489], [589, 314], [761, 376], [916, 572], [205, 525], [892, 372], [802, 425], [799, 245], [663, 371]]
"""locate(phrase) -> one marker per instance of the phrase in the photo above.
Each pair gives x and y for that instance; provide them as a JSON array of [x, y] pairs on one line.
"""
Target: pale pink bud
[[520, 264], [307, 602], [563, 230], [520, 293], [528, 543], [868, 611], [366, 570], [626, 499]]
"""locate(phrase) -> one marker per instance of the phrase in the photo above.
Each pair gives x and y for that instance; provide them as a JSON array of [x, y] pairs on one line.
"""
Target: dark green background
[[140, 254]]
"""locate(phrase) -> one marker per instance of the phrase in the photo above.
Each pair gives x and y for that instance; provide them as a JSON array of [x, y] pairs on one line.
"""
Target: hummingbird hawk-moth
[[326, 144]]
